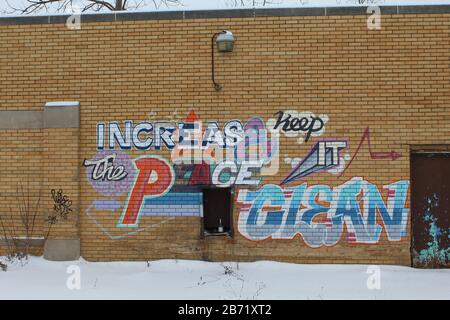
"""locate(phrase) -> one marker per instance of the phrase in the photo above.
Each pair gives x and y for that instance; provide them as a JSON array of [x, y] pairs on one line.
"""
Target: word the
[[104, 169]]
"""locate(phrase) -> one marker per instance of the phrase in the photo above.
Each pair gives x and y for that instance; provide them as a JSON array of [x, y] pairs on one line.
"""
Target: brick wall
[[395, 82]]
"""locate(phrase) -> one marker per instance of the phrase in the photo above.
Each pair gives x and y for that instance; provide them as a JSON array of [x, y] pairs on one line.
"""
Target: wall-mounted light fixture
[[225, 43]]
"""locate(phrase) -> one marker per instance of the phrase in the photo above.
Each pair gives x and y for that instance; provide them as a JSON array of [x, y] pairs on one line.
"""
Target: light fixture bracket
[[225, 43]]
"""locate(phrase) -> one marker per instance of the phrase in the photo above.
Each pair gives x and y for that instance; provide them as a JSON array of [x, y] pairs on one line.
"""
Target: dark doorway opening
[[430, 210], [217, 211]]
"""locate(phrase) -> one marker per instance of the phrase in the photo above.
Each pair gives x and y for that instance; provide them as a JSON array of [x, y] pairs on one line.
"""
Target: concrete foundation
[[62, 250]]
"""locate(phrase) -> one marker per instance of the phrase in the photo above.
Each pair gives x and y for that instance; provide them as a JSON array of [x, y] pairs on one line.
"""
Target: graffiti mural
[[384, 155], [300, 125], [104, 169], [190, 136], [306, 124], [154, 179], [211, 157], [235, 154], [113, 174], [282, 213], [325, 155], [242, 154], [110, 173]]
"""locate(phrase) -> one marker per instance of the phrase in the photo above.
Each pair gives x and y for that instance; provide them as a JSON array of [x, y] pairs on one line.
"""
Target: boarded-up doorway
[[430, 210]]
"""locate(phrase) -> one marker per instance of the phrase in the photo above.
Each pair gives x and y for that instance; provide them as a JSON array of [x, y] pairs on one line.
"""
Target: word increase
[[146, 135]]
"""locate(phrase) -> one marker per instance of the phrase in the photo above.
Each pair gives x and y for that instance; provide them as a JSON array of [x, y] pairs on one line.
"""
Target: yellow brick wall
[[61, 173], [395, 80], [21, 181]]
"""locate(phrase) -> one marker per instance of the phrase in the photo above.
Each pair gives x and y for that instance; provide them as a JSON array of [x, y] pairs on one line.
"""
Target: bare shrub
[[20, 230]]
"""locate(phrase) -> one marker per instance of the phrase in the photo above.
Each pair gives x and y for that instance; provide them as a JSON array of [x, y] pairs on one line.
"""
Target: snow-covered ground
[[181, 279]]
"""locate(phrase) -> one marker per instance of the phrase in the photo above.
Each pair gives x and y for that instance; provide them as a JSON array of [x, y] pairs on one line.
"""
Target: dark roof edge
[[228, 13]]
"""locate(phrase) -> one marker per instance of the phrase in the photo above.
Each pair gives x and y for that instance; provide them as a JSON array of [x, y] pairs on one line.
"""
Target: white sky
[[227, 4]]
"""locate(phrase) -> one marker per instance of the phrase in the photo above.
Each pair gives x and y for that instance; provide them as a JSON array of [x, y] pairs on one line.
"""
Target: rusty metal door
[[430, 210]]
